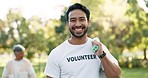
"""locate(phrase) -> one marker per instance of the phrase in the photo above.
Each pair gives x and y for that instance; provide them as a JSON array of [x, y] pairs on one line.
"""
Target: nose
[[78, 23]]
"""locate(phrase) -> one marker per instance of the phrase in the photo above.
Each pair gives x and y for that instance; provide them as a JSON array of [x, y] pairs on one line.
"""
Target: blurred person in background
[[19, 67]]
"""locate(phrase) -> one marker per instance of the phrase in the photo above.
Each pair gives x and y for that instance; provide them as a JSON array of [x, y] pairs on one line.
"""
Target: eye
[[72, 20], [82, 19]]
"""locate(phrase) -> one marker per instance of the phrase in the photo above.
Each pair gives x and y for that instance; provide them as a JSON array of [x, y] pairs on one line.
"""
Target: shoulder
[[109, 55], [26, 60], [60, 47], [57, 52], [9, 63]]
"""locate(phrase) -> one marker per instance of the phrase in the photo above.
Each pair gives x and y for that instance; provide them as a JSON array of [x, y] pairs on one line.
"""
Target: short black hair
[[80, 7]]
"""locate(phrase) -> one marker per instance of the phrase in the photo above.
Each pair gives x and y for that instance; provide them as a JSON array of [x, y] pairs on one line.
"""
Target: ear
[[89, 23]]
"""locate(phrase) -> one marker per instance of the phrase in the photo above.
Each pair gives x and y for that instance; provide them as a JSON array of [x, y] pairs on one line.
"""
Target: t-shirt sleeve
[[31, 71], [52, 68], [109, 56]]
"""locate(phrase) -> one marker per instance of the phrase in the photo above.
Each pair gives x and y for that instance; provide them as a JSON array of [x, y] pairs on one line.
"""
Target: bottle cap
[[95, 47]]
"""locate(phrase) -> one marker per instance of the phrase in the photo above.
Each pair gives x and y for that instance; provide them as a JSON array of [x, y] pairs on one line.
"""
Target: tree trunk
[[39, 63], [144, 54]]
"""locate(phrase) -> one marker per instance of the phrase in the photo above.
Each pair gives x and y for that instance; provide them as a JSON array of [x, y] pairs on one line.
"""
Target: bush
[[131, 62]]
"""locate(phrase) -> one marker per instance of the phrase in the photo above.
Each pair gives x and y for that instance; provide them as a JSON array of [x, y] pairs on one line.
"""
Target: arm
[[112, 69], [31, 70], [48, 77], [33, 75]]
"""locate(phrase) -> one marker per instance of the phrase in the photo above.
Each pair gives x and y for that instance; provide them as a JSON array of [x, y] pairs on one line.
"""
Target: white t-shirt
[[75, 61], [18, 69]]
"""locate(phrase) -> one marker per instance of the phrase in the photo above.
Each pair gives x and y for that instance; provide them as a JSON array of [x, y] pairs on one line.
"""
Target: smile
[[80, 28]]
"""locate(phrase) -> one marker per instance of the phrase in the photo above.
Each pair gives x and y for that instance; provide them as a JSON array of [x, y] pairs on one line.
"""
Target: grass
[[39, 70], [134, 73], [1, 69], [126, 72]]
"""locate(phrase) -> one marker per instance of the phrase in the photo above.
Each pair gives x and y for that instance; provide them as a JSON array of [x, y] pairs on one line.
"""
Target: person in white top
[[19, 67], [74, 58]]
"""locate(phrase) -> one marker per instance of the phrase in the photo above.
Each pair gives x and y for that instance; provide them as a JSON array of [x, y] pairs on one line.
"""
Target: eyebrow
[[75, 17]]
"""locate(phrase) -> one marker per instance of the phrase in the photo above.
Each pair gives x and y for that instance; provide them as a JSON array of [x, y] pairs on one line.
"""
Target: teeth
[[78, 29]]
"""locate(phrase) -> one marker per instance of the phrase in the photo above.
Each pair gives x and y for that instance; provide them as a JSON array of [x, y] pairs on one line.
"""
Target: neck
[[17, 59], [78, 41]]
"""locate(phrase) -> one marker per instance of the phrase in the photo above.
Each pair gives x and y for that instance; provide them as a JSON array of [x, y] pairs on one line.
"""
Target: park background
[[122, 25]]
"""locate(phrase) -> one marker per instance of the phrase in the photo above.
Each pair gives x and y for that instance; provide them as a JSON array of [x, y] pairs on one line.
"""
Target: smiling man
[[74, 58]]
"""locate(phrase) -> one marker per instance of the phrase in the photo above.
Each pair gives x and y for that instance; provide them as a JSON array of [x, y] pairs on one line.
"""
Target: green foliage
[[24, 32], [116, 30], [61, 28], [145, 32], [132, 62], [134, 73], [133, 39], [138, 33]]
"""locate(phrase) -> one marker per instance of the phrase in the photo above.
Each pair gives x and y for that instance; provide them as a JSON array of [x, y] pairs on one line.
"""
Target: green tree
[[3, 37], [61, 30], [29, 33], [53, 32], [8, 29], [138, 33]]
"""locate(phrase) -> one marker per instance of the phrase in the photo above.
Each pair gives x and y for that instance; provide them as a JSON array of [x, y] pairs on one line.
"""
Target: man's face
[[78, 23]]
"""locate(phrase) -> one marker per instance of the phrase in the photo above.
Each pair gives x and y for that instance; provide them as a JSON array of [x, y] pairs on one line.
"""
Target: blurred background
[[40, 26]]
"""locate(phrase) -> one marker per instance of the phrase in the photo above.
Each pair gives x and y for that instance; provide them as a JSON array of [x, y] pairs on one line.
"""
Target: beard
[[79, 36]]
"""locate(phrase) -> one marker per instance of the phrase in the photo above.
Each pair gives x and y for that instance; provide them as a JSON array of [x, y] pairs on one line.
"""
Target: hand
[[99, 44]]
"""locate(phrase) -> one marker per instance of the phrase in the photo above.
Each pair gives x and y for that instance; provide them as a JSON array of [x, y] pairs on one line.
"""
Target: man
[[18, 67], [74, 58]]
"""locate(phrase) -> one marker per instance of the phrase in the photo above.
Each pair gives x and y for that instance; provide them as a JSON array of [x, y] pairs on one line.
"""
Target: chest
[[79, 60]]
